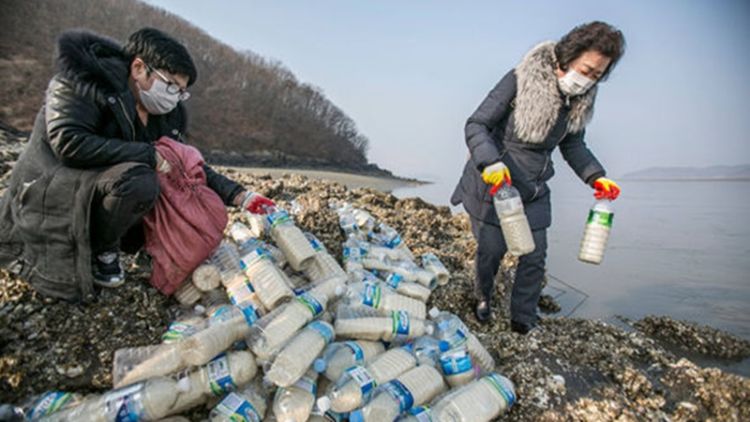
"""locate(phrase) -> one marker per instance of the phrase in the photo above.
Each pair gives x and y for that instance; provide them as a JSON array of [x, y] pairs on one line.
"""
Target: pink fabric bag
[[188, 220]]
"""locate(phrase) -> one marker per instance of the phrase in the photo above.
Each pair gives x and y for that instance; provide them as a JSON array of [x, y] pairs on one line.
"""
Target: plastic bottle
[[274, 329], [513, 221], [240, 291], [183, 328], [432, 263], [297, 356], [221, 375], [248, 238], [450, 328], [418, 414], [411, 272], [147, 401], [407, 288], [206, 277], [40, 406], [331, 288], [385, 235], [363, 325], [384, 300], [340, 356], [457, 367], [412, 388], [195, 350], [357, 383], [479, 401], [270, 283], [428, 349], [247, 404], [289, 238], [596, 233], [352, 255], [295, 403]]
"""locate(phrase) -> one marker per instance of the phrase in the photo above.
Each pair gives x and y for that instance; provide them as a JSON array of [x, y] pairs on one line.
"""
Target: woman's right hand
[[496, 174]]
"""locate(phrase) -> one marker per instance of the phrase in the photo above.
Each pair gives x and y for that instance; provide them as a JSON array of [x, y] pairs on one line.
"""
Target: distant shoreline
[[351, 180]]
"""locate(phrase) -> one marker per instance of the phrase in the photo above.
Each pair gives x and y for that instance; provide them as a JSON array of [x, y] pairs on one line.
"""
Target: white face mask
[[157, 100], [573, 83]]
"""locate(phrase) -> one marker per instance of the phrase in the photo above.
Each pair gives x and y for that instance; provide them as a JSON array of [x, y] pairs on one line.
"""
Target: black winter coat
[[86, 125], [522, 120]]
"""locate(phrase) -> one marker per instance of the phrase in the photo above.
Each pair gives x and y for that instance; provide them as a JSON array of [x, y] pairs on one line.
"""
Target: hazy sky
[[410, 72]]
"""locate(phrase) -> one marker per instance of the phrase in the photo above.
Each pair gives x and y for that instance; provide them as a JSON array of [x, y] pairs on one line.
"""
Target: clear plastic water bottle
[[513, 221], [296, 402], [428, 349], [297, 356], [596, 233], [289, 238], [358, 383], [368, 324], [40, 406], [373, 295], [221, 375], [340, 356], [457, 366], [247, 404], [479, 401], [407, 288], [412, 388], [149, 400], [450, 328], [432, 263]]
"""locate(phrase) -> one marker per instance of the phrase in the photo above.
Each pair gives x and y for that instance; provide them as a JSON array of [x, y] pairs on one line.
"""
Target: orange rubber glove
[[606, 189]]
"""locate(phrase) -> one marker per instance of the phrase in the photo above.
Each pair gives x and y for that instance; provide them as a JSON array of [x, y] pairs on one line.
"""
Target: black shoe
[[107, 269], [520, 327], [483, 311]]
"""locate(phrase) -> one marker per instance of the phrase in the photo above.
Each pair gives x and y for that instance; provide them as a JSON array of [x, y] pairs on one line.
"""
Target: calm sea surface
[[677, 248]]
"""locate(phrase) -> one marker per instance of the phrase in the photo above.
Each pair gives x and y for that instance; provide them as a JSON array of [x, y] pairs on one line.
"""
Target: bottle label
[[394, 280], [455, 338], [49, 403], [237, 409], [455, 362], [421, 413], [400, 323], [601, 218], [503, 388], [315, 243], [277, 218], [311, 303], [399, 392], [363, 378], [125, 404], [359, 354], [253, 255], [353, 254], [372, 295], [307, 384], [241, 292], [323, 329], [221, 314], [219, 377], [250, 312], [177, 331]]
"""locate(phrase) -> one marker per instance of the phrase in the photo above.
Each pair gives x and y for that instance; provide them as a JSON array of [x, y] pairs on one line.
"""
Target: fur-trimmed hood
[[88, 58], [538, 98]]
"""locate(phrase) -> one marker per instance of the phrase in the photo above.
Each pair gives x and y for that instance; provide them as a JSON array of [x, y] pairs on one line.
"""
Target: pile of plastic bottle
[[283, 332]]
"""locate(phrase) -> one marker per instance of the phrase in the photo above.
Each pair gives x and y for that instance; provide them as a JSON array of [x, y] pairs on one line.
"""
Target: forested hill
[[245, 109]]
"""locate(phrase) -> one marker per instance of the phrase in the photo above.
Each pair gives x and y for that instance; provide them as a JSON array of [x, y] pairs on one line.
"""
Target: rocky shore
[[567, 370]]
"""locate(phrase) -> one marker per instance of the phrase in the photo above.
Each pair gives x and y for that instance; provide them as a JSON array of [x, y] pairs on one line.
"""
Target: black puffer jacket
[[521, 122], [86, 125]]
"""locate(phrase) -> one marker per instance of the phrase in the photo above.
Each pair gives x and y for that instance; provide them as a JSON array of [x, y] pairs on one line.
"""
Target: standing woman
[[545, 102]]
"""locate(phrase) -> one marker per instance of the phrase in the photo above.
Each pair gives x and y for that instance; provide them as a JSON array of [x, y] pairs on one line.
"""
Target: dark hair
[[597, 36], [161, 51]]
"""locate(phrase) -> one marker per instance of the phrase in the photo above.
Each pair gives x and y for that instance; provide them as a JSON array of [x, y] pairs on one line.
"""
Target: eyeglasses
[[172, 87]]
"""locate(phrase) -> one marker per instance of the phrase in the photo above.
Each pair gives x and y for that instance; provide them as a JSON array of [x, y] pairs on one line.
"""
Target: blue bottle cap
[[444, 346], [320, 365], [356, 416]]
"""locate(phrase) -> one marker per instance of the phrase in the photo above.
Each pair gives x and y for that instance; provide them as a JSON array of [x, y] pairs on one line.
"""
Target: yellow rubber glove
[[496, 174], [606, 188]]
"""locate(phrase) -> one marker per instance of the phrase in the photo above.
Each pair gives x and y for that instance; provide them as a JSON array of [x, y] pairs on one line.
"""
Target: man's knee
[[138, 184]]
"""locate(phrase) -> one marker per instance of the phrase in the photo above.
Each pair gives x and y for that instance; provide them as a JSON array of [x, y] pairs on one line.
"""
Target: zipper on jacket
[[130, 122], [544, 168]]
